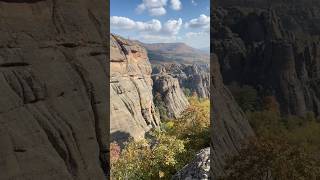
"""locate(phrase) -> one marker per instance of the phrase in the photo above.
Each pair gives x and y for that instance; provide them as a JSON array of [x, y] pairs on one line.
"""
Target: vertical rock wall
[[132, 109], [53, 100]]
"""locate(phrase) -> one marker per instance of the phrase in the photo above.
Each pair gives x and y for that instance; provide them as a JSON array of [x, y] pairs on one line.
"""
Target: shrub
[[246, 96], [187, 92], [160, 106], [154, 158], [194, 124], [263, 158]]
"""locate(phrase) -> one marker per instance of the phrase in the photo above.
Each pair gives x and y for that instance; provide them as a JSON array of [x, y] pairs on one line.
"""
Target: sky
[[162, 21]]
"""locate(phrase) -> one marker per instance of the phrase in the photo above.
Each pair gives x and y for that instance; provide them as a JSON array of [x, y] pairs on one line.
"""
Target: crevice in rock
[[14, 64]]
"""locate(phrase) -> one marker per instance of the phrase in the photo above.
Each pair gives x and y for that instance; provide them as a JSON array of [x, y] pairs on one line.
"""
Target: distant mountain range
[[176, 53]]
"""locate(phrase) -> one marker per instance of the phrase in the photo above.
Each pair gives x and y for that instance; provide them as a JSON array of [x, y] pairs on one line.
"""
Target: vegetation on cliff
[[166, 150], [285, 147]]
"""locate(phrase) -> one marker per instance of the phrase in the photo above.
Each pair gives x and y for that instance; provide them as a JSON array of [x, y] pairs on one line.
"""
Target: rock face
[[199, 168], [229, 126], [52, 102], [171, 94], [132, 108], [273, 47], [194, 77]]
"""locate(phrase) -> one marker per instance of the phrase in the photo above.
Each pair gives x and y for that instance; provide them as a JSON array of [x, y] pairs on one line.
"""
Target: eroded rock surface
[[194, 77], [132, 108], [229, 126], [53, 121], [273, 46], [198, 169], [171, 94]]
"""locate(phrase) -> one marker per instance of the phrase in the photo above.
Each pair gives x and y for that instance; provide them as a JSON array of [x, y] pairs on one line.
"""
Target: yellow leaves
[[145, 159], [161, 174], [165, 151]]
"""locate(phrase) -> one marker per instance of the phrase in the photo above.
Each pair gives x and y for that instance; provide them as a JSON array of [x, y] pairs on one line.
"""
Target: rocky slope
[[273, 46], [132, 108], [52, 102], [194, 77], [229, 126]]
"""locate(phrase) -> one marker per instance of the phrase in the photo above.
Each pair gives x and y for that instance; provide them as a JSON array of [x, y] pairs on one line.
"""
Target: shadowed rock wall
[[53, 99]]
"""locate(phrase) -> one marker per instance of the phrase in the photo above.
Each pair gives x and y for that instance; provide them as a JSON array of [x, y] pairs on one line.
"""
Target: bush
[[165, 151], [272, 157], [246, 96], [160, 106], [194, 124], [154, 158], [187, 92]]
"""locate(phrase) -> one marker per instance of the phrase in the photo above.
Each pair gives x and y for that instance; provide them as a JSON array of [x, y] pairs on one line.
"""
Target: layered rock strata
[[194, 77], [132, 109], [273, 46], [171, 94], [53, 100], [229, 126]]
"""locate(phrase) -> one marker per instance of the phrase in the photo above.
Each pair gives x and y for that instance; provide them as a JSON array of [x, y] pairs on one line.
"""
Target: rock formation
[[273, 46], [194, 77], [199, 168], [53, 102], [229, 126], [171, 94], [132, 108]]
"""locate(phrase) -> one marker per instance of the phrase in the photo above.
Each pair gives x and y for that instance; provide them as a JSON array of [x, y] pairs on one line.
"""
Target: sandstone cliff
[[229, 126], [194, 77], [171, 94], [132, 108], [199, 168], [53, 102], [273, 46]]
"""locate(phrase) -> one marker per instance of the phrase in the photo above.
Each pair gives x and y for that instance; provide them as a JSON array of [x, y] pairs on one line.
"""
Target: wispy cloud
[[194, 2], [196, 34]]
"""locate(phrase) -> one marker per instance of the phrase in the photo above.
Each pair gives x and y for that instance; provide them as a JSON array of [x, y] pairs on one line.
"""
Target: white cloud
[[194, 2], [122, 22], [172, 27], [157, 11], [154, 26], [176, 5], [119, 22], [157, 7], [140, 8], [202, 21]]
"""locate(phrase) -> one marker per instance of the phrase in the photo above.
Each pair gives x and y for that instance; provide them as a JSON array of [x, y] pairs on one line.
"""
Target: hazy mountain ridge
[[175, 53]]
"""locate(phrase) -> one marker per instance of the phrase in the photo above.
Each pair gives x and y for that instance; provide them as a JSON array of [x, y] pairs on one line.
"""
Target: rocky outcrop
[[199, 168], [53, 102], [132, 108], [194, 77], [171, 94], [273, 47], [229, 126]]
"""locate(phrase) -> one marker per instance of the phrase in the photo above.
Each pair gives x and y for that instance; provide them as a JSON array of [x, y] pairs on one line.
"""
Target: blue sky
[[152, 21]]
